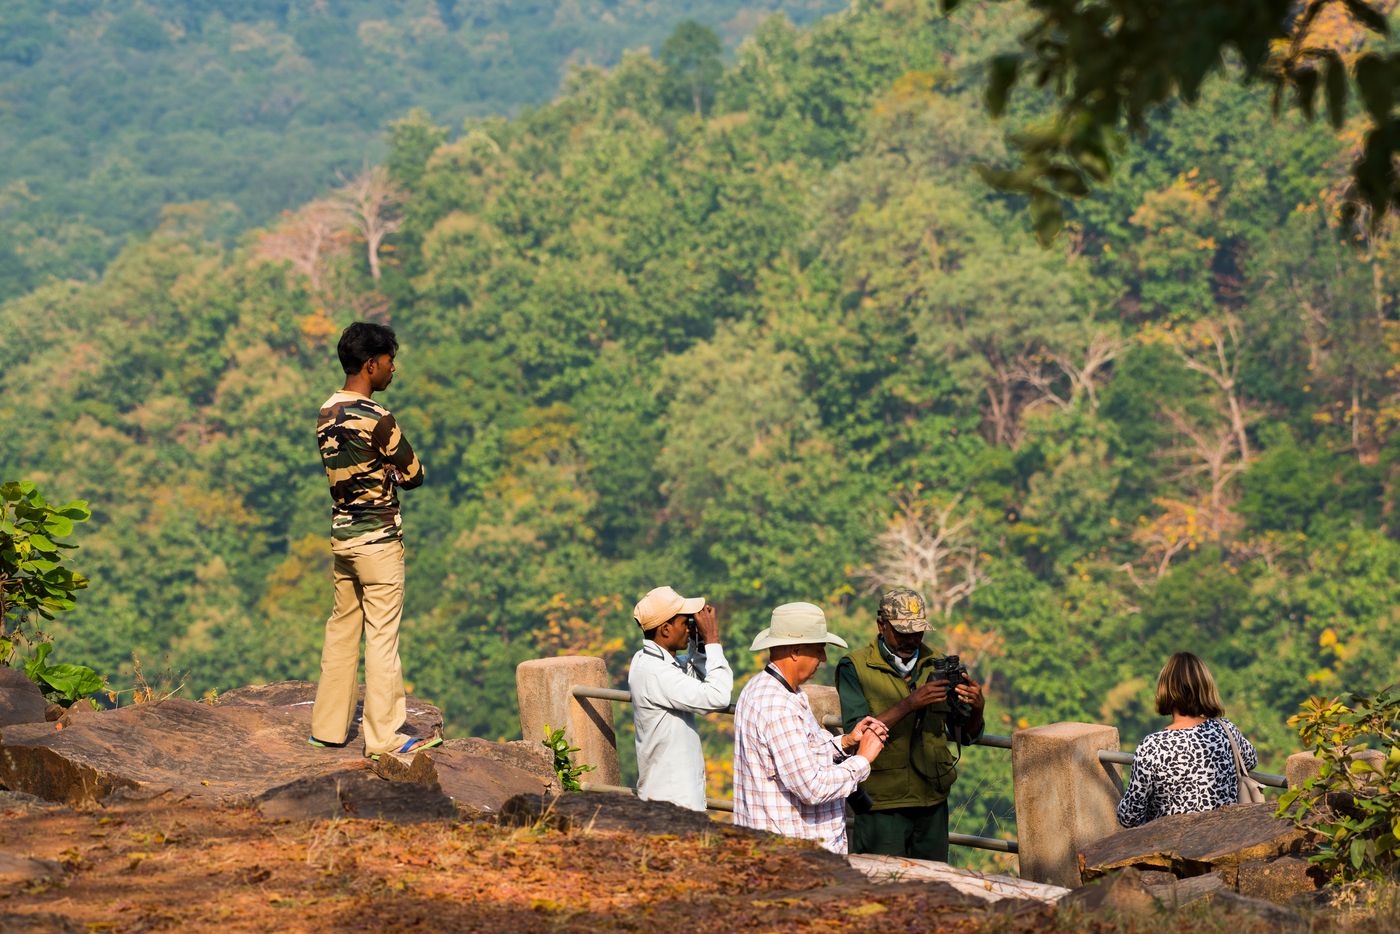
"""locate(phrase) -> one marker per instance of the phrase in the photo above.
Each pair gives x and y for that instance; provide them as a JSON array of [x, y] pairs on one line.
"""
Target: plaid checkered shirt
[[790, 775]]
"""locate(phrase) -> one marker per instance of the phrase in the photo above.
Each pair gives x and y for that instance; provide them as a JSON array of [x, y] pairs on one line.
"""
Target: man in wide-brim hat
[[791, 776]]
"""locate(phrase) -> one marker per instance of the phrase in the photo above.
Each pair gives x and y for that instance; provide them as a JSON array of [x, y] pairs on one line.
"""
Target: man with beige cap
[[666, 695], [791, 776]]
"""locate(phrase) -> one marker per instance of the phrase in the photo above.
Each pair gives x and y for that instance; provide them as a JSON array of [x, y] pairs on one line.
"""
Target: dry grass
[[136, 868], [152, 867]]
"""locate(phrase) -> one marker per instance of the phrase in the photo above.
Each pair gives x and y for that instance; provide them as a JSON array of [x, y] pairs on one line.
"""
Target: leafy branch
[[1353, 803], [1113, 64], [32, 577]]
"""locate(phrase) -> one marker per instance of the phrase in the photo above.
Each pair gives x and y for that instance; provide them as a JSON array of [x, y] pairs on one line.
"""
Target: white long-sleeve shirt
[[665, 700]]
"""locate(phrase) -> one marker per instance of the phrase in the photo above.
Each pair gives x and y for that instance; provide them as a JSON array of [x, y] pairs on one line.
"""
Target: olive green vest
[[913, 770]]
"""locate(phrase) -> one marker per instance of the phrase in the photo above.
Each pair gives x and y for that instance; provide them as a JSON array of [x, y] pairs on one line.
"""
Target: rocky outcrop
[[1242, 849], [17, 870], [21, 701], [18, 804], [250, 748], [356, 794], [1278, 880], [1195, 844], [190, 749], [607, 811], [478, 776], [1126, 893], [986, 887]]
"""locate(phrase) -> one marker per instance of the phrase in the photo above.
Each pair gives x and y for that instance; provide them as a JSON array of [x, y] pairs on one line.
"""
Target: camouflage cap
[[905, 610]]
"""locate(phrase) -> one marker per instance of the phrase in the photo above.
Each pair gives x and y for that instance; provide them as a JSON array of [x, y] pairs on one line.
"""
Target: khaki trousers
[[368, 601]]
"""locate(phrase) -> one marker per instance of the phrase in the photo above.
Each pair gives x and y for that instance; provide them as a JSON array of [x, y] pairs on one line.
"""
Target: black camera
[[951, 669]]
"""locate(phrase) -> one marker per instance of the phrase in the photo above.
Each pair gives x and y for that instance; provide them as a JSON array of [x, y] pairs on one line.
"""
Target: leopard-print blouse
[[1181, 771]]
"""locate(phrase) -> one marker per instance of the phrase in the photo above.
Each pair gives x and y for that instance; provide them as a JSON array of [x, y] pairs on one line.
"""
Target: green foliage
[[691, 56], [33, 578], [1353, 803], [65, 684], [564, 765], [1110, 66]]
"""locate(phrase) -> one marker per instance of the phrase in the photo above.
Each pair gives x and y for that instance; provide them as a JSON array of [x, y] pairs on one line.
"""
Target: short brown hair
[[1186, 687]]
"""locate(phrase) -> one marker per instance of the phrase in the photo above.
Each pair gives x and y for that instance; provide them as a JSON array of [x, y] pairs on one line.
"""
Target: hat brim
[[911, 625], [766, 640], [692, 605]]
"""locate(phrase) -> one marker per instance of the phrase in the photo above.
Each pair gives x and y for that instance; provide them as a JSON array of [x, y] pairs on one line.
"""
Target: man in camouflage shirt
[[367, 459], [892, 679]]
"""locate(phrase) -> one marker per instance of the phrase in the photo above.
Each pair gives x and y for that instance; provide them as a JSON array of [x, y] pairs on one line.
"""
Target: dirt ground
[[152, 867], [156, 867]]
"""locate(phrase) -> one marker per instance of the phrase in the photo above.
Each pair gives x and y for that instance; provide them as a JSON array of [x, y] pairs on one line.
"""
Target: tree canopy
[[790, 347], [116, 108]]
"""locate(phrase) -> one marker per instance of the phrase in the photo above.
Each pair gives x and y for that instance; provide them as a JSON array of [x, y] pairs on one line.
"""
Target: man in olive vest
[[893, 679]]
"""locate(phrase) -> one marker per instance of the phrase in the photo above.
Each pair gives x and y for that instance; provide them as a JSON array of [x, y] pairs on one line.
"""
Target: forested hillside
[[790, 347], [112, 109]]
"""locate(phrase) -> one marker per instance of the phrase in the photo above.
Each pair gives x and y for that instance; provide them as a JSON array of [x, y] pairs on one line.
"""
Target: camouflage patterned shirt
[[366, 458]]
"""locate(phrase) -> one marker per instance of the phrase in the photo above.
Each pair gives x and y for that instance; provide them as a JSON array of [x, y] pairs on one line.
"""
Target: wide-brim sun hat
[[796, 624]]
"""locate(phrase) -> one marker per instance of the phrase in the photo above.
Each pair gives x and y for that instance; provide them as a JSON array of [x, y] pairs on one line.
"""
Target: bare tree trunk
[[373, 248], [1356, 415], [372, 200], [1223, 371]]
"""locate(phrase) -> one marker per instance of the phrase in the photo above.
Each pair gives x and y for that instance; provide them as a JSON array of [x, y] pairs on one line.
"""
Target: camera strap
[[769, 669], [917, 738]]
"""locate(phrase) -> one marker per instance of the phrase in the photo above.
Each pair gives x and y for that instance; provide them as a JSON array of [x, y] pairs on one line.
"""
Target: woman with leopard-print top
[[1189, 766]]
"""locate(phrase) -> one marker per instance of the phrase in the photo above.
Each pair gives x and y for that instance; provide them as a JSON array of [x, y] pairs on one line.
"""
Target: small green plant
[[564, 765], [33, 581], [1354, 804], [61, 684]]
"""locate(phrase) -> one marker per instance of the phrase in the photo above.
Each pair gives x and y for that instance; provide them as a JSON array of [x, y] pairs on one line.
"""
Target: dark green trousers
[[920, 833]]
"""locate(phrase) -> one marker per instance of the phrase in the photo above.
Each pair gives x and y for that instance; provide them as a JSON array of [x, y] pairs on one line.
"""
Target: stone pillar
[[1302, 766], [1065, 797], [825, 702], [543, 687]]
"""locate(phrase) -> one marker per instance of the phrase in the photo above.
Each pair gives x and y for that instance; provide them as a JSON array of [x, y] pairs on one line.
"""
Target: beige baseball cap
[[796, 624], [661, 604]]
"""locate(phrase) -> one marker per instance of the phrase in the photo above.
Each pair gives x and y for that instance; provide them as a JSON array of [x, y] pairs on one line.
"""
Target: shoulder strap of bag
[[1248, 787]]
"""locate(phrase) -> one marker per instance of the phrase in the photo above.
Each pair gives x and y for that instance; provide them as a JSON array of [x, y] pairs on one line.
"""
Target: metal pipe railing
[[724, 804], [831, 722]]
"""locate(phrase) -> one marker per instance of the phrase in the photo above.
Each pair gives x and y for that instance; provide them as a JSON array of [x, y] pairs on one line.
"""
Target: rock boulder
[[1124, 892], [235, 750], [1194, 844], [1279, 880], [1303, 766], [479, 776], [1128, 892], [18, 870], [607, 811], [21, 701], [356, 794]]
